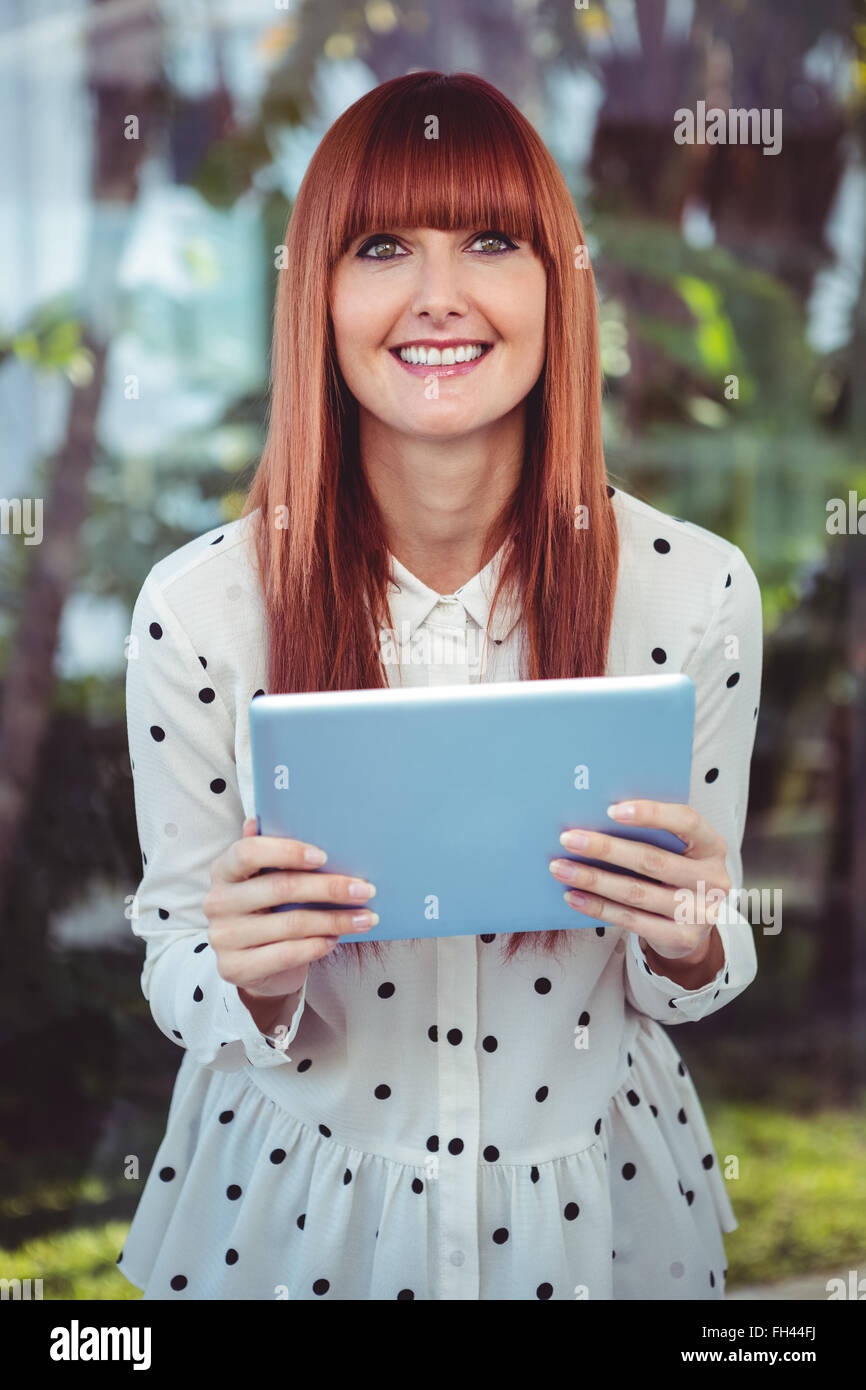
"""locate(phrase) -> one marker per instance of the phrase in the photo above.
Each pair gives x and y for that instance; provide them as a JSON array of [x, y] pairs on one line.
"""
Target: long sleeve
[[188, 810], [726, 669]]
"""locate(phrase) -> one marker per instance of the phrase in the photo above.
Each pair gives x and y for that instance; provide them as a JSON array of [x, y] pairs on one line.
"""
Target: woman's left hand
[[676, 916]]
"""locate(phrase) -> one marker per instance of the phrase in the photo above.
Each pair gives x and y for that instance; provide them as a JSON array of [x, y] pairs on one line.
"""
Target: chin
[[437, 428], [442, 417]]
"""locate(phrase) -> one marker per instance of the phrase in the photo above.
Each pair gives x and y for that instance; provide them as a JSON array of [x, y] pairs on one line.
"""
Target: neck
[[438, 498]]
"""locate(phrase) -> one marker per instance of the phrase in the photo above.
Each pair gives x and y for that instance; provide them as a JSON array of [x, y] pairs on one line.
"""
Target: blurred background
[[150, 155]]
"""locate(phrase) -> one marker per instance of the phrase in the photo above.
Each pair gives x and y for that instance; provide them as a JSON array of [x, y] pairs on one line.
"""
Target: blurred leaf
[[26, 347], [61, 342], [229, 165], [748, 322]]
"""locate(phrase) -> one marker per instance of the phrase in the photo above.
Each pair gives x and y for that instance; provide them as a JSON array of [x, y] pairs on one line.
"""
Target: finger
[[677, 938], [247, 856], [270, 928], [249, 827], [701, 839], [634, 855], [265, 891], [620, 888], [244, 968], [312, 921]]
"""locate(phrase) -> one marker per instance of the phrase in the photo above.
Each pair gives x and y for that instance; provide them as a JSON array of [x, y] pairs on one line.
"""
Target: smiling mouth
[[453, 358]]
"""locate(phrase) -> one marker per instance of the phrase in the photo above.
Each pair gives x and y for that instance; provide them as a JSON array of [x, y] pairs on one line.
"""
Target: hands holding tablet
[[493, 772], [674, 927], [265, 953]]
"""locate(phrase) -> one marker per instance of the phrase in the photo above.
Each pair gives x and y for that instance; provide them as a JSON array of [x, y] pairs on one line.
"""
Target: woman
[[465, 1117]]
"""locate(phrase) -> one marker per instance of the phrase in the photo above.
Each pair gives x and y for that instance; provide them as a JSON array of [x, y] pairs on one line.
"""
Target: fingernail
[[621, 811], [574, 839], [359, 889], [361, 921], [572, 896], [314, 856]]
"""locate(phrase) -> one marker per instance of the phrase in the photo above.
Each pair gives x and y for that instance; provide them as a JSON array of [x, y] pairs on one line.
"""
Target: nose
[[438, 294]]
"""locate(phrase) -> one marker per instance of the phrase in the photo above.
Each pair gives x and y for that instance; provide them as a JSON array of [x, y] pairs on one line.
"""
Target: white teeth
[[432, 357]]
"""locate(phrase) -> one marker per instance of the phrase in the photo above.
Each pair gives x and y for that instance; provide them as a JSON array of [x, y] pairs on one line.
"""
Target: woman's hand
[[265, 953], [676, 916]]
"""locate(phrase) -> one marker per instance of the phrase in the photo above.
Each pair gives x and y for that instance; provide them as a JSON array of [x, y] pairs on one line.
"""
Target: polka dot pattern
[[339, 1153]]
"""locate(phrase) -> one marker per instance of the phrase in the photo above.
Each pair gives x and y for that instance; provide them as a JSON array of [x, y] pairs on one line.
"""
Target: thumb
[[249, 827]]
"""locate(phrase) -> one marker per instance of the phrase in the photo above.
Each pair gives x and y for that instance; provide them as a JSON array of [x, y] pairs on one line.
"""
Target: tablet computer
[[451, 799]]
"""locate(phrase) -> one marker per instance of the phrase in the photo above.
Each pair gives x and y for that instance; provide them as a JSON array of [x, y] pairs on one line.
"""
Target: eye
[[373, 243], [505, 243]]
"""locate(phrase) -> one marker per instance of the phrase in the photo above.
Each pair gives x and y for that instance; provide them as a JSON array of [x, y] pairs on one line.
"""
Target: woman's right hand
[[265, 953]]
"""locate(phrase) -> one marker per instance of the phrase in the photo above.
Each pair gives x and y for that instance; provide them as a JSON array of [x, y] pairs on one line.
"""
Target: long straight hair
[[320, 545]]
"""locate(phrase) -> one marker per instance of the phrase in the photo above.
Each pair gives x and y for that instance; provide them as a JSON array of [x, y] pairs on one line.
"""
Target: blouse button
[[457, 1257]]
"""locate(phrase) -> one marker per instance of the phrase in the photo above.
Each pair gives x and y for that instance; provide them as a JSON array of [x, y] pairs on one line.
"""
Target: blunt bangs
[[438, 155]]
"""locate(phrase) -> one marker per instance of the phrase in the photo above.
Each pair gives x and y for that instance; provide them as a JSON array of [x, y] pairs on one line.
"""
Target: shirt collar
[[412, 602]]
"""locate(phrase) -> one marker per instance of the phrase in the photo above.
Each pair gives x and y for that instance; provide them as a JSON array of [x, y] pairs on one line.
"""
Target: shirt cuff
[[264, 1049], [667, 1001]]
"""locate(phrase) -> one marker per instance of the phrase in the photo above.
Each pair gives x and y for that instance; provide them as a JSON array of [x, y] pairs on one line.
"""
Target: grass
[[77, 1264], [799, 1198], [801, 1191]]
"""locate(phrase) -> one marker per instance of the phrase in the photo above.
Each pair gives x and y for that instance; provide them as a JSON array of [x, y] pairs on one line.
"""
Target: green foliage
[[50, 340], [77, 1265], [801, 1191], [733, 318], [229, 166]]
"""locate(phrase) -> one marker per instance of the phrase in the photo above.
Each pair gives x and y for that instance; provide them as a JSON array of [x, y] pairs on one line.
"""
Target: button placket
[[446, 632], [456, 998], [459, 1117]]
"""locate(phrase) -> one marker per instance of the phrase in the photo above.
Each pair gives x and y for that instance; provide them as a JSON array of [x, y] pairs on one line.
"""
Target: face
[[439, 334]]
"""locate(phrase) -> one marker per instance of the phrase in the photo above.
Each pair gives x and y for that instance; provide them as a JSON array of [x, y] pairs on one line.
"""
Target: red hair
[[320, 567]]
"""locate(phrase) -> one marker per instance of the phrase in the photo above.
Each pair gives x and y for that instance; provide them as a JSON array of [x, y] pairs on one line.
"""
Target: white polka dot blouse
[[444, 1125]]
